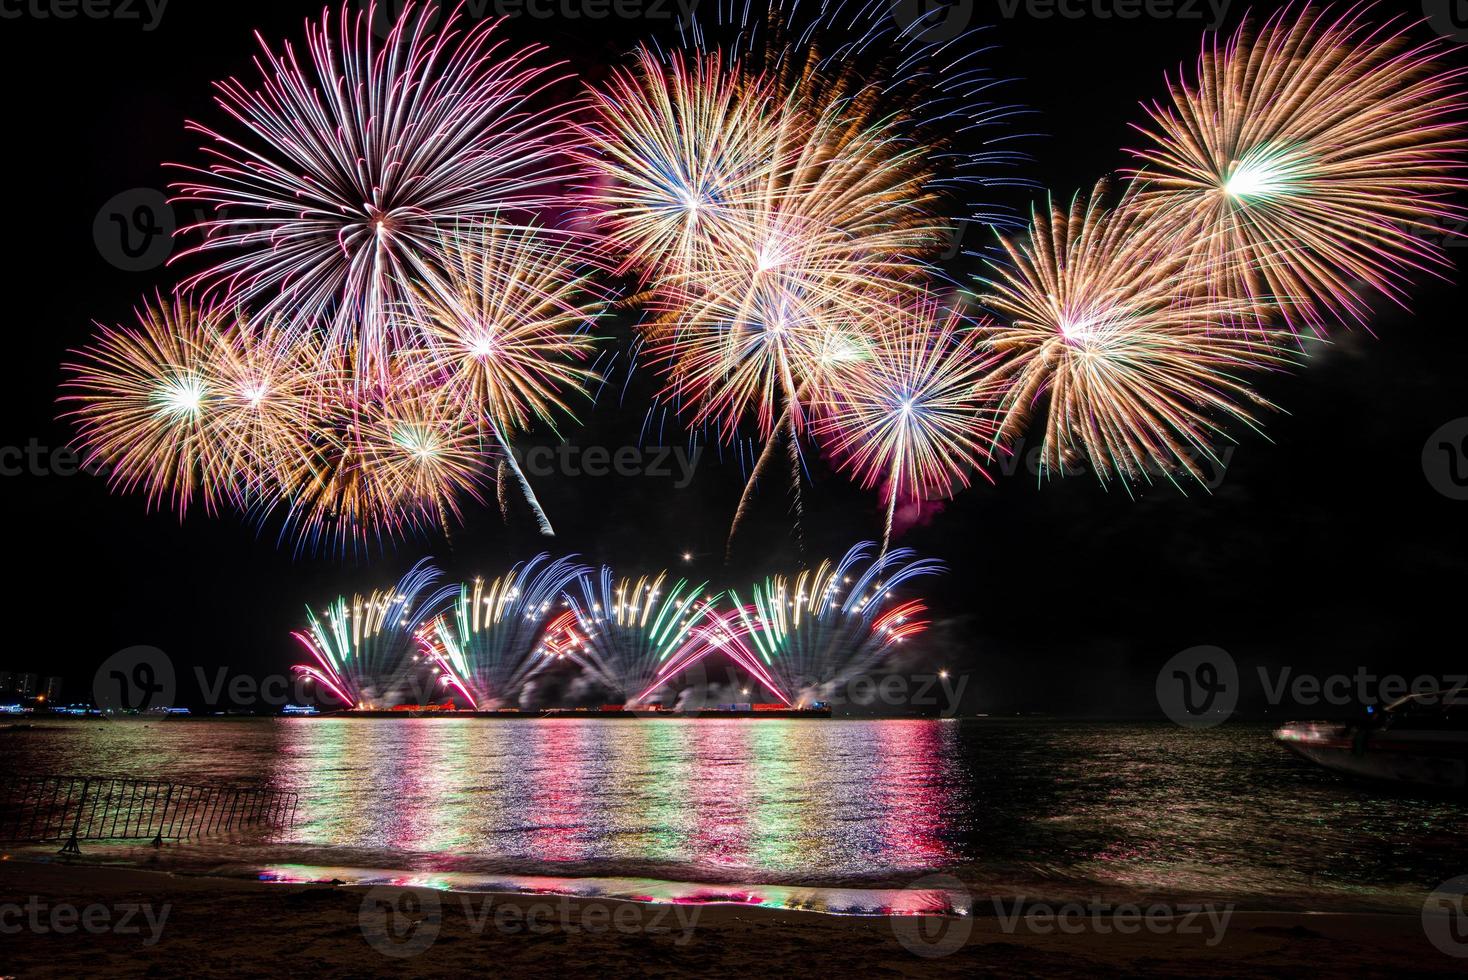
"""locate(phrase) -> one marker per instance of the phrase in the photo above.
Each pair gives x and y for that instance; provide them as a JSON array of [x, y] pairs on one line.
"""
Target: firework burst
[[768, 195], [363, 649], [492, 638], [1309, 158], [266, 378], [507, 325], [144, 399], [1139, 359], [916, 414], [382, 461], [816, 630], [679, 151], [629, 630], [338, 175]]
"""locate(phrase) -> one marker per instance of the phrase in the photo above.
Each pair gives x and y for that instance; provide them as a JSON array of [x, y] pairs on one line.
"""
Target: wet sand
[[183, 925]]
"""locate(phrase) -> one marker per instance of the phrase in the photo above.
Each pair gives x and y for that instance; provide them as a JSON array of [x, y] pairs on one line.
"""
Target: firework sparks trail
[[1308, 157], [492, 639], [722, 631], [767, 195], [916, 413], [339, 174], [507, 325], [1138, 357], [363, 649], [629, 628], [382, 461], [142, 396], [816, 630]]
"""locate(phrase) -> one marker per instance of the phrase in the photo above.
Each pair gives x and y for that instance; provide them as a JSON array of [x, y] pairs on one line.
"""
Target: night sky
[[1324, 548]]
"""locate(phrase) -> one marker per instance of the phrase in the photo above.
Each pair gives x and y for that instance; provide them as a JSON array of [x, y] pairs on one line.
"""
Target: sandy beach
[[68, 920]]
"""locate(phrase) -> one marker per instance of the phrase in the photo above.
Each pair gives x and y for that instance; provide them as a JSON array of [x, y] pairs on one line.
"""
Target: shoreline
[[216, 925]]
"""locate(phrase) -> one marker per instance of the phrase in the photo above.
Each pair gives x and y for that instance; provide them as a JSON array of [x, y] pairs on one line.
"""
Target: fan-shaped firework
[[629, 629], [719, 632], [1137, 357], [339, 176], [507, 324], [364, 650], [490, 641], [818, 629], [916, 414], [1311, 158]]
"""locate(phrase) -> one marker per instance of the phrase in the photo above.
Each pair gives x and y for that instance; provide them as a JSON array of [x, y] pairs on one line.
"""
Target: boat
[[1419, 740]]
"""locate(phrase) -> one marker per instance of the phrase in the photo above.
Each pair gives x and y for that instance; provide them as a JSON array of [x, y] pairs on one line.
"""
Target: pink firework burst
[[339, 175]]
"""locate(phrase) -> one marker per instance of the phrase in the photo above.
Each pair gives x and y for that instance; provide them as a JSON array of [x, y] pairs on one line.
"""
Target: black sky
[[1324, 548]]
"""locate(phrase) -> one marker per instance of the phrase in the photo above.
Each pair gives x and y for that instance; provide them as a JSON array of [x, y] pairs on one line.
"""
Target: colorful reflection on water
[[833, 901], [786, 798], [1067, 810]]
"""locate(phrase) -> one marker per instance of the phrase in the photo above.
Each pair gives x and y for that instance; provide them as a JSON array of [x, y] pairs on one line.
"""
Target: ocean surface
[[1041, 809]]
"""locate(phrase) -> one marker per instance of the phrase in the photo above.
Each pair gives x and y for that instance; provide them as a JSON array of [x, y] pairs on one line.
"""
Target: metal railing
[[78, 808]]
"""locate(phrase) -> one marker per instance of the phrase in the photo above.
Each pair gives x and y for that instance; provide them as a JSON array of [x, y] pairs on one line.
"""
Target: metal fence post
[[72, 846]]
